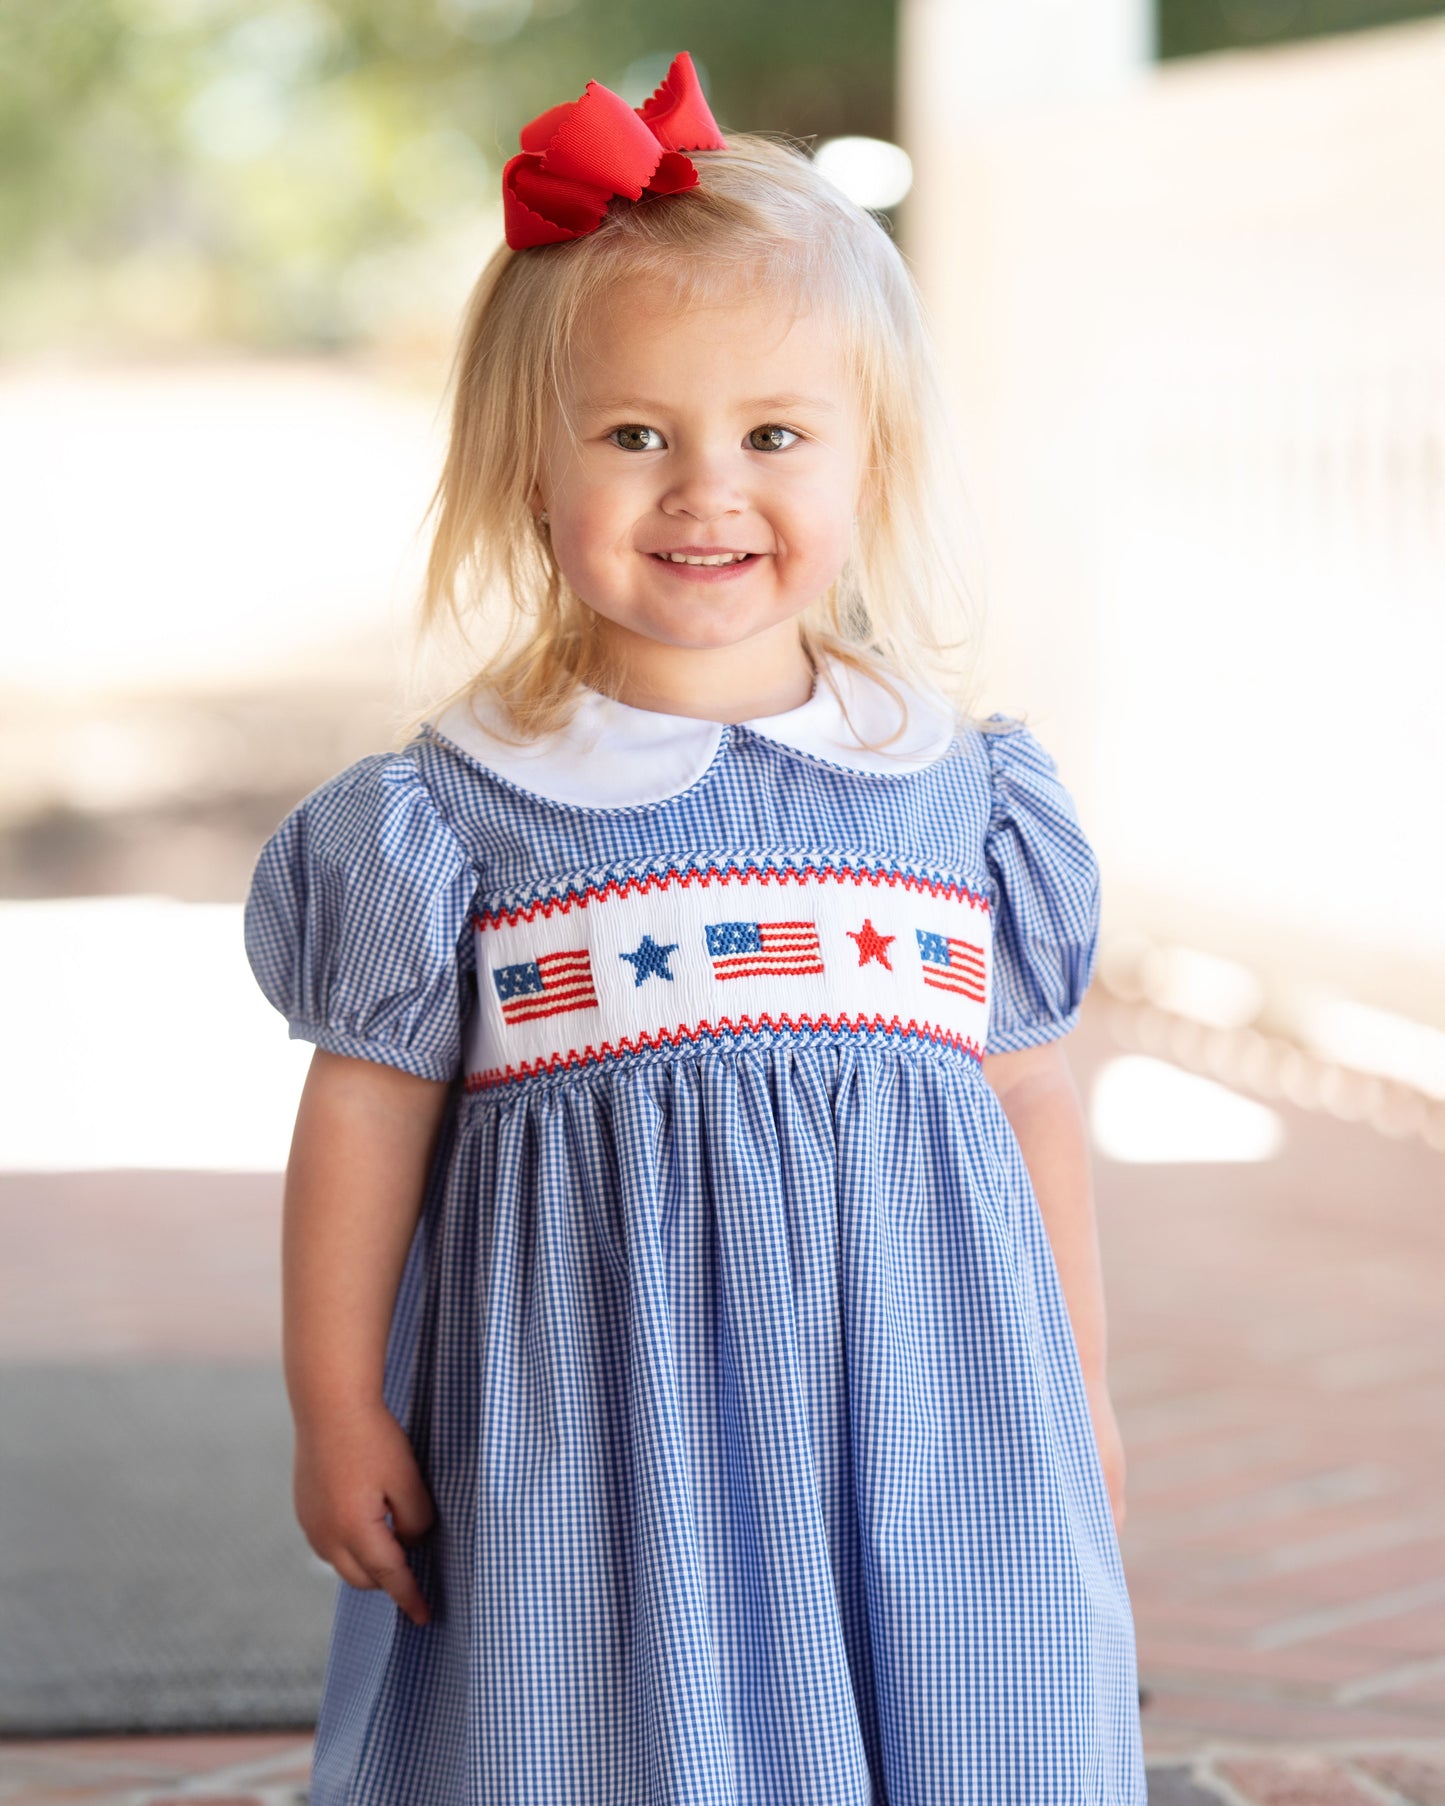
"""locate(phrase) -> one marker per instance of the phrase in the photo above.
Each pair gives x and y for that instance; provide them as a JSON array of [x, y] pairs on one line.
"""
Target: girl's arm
[[1036, 1090], [354, 1183]]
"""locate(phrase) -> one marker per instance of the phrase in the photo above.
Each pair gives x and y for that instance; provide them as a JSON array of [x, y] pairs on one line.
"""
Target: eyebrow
[[761, 404]]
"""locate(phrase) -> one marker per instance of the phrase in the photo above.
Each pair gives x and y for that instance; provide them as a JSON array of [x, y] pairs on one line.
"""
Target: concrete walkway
[[1277, 1353]]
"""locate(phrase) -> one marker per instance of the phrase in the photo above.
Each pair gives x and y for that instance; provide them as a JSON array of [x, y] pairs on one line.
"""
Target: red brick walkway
[[1278, 1349], [271, 1771], [1277, 1353], [268, 1770]]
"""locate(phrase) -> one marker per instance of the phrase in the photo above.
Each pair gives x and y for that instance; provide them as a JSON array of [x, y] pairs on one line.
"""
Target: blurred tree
[[294, 172], [1187, 27]]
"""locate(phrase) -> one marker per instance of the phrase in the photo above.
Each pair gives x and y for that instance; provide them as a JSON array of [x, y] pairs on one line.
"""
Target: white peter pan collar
[[611, 755]]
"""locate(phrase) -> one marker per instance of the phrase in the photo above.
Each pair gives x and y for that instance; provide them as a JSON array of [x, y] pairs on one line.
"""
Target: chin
[[697, 631]]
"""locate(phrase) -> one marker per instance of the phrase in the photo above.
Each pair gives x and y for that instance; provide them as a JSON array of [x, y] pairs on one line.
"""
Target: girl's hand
[[349, 1472], [1111, 1447]]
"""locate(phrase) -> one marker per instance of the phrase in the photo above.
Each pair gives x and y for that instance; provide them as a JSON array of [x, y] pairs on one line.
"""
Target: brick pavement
[[1276, 1354], [271, 1770], [250, 1770], [1277, 1351]]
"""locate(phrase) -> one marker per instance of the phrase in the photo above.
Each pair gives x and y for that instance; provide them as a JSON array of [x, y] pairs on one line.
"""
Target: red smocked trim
[[745, 1025], [723, 875]]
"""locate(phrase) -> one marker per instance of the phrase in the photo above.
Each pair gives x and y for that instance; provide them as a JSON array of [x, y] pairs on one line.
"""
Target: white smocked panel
[[611, 755], [682, 957]]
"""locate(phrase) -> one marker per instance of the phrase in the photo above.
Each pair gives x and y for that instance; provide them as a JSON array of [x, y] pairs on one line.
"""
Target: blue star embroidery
[[649, 958]]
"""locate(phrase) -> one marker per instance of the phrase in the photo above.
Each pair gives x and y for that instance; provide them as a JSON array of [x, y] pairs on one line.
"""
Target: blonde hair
[[901, 604]]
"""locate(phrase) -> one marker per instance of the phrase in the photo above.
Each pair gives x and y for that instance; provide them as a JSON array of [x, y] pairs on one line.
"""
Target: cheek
[[574, 530], [598, 514], [591, 540], [823, 522]]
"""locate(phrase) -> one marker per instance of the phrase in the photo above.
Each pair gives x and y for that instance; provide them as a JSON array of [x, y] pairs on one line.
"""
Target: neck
[[767, 674]]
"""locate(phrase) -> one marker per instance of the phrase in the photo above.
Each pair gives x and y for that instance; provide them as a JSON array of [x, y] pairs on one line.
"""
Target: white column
[[974, 76], [965, 67], [964, 60]]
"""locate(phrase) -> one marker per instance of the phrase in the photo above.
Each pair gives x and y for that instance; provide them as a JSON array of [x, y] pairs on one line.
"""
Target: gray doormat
[[152, 1576]]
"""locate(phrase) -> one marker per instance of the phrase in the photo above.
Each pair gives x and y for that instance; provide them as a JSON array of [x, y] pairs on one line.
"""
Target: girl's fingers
[[412, 1511], [381, 1565], [383, 1559], [351, 1571], [347, 1488]]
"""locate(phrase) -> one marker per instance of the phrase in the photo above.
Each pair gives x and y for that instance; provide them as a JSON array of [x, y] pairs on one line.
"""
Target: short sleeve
[[357, 923], [1044, 889]]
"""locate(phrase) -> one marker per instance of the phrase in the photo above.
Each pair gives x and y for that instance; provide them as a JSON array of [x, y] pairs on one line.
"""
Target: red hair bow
[[576, 158]]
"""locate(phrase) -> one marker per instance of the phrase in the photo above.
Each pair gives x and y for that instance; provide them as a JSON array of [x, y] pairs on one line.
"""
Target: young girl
[[693, 1315]]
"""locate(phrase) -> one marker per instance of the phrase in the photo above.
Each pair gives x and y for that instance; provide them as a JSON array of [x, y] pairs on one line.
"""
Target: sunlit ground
[[146, 1042], [1144, 1110]]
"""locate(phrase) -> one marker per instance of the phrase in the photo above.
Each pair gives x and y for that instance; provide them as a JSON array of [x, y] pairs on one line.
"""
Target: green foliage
[[268, 171], [1187, 27]]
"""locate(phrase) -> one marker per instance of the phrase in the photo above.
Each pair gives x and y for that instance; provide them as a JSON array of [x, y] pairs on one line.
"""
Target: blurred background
[[1186, 265]]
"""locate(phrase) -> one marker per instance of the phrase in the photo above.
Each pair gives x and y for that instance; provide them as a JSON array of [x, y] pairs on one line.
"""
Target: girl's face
[[728, 432]]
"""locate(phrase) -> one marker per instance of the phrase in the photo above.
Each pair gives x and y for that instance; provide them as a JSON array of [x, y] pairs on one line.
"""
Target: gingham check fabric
[[736, 1361]]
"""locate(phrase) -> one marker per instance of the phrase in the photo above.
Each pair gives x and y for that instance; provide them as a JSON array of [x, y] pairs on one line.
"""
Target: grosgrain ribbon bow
[[577, 158]]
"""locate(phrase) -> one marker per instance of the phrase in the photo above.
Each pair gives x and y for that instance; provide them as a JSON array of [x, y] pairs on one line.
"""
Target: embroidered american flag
[[549, 985], [951, 965], [763, 949]]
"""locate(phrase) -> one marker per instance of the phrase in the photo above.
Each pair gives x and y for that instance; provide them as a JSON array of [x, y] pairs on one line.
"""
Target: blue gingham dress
[[730, 1341]]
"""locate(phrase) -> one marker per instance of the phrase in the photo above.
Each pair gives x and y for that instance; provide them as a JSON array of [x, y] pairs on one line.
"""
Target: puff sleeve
[[357, 923], [1044, 888]]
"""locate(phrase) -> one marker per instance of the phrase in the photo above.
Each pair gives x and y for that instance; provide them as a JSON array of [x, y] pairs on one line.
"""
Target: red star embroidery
[[871, 944]]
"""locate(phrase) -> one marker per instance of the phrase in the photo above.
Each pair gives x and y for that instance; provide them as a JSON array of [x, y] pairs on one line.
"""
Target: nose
[[704, 485]]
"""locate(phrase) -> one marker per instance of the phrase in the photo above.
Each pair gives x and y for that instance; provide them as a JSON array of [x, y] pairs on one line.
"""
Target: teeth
[[716, 558]]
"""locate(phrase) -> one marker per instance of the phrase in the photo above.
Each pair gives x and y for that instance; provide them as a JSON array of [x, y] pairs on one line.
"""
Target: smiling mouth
[[703, 557]]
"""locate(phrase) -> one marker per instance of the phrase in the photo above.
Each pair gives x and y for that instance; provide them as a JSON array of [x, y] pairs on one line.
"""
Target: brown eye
[[771, 438], [636, 438]]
